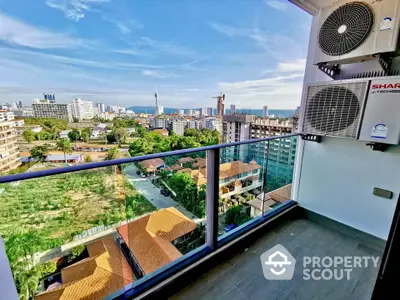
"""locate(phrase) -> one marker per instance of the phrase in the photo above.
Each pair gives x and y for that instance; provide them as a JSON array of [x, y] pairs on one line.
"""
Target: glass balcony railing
[[129, 223]]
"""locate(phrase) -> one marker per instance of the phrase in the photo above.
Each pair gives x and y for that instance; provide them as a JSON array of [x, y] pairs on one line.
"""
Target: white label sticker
[[379, 131], [386, 24]]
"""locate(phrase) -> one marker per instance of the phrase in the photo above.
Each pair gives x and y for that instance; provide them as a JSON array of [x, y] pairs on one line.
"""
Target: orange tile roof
[[149, 238], [200, 162], [105, 272], [185, 159], [163, 131], [226, 170], [175, 167], [151, 164]]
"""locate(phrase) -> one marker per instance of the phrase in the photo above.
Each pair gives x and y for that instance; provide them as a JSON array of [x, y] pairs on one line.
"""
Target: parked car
[[166, 193], [137, 172], [143, 175]]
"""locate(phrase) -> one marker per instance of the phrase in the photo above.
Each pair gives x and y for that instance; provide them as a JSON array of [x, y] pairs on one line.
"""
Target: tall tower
[[220, 106], [265, 112]]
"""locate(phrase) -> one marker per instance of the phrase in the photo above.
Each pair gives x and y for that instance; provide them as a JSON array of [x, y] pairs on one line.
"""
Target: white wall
[[336, 178]]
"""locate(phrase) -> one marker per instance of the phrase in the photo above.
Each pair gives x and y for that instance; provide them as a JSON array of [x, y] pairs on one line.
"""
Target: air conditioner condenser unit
[[364, 109], [354, 31]]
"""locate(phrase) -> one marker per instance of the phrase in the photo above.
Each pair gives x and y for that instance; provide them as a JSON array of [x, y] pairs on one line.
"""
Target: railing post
[[212, 195]]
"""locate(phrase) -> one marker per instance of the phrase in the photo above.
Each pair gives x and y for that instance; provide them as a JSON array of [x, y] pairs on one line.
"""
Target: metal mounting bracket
[[332, 71], [312, 138], [385, 60]]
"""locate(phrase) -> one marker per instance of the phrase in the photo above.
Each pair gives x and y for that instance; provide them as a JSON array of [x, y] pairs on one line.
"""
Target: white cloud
[[158, 74], [277, 4], [277, 45], [125, 27], [166, 47], [298, 65], [13, 31], [74, 9]]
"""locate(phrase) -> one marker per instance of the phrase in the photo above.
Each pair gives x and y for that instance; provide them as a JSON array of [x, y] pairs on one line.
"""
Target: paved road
[[152, 193]]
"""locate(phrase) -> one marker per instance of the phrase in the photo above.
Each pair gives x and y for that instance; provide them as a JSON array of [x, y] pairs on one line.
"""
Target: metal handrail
[[95, 165]]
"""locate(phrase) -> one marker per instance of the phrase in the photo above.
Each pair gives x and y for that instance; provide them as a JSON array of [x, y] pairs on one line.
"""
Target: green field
[[40, 214]]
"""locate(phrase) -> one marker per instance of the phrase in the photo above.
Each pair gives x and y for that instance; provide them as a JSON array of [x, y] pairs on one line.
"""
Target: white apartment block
[[194, 124], [181, 112], [211, 123], [6, 116], [82, 110], [8, 148], [45, 109], [23, 112], [159, 110], [203, 112], [236, 128], [158, 123], [177, 126]]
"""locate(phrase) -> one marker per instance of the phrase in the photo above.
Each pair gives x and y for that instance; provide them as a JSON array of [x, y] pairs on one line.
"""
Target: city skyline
[[111, 51]]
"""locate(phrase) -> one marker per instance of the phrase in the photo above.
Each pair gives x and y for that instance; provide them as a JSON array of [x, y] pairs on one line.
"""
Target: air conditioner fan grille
[[346, 29]]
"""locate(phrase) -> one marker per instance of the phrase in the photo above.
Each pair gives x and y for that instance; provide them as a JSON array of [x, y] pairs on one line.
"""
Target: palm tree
[[112, 153]]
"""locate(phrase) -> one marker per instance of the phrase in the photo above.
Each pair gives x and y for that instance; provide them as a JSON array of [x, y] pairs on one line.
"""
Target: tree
[[86, 133], [112, 153], [64, 145], [73, 135], [40, 152], [28, 135], [87, 159], [120, 135]]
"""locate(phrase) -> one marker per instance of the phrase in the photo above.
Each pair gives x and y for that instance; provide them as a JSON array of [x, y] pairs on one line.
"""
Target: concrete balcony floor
[[240, 276]]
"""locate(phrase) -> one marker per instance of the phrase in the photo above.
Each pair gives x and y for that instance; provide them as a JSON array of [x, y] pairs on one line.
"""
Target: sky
[[118, 52]]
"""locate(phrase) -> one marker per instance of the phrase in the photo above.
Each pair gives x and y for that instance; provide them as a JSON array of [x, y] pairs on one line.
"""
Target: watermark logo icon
[[278, 264]]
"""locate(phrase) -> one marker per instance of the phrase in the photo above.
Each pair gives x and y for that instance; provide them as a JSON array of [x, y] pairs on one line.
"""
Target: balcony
[[171, 234]]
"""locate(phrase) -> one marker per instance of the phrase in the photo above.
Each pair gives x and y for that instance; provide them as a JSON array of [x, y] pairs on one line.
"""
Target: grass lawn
[[47, 212]]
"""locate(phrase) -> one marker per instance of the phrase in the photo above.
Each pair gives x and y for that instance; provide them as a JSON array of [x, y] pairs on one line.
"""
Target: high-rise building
[[177, 126], [158, 122], [194, 124], [203, 112], [23, 112], [20, 105], [209, 111], [233, 109], [82, 110], [191, 112], [8, 148], [236, 128], [101, 108], [48, 109], [220, 106], [181, 112], [211, 123], [265, 112]]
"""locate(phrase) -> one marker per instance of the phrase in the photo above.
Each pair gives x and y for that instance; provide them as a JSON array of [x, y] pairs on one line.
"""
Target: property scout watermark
[[279, 264]]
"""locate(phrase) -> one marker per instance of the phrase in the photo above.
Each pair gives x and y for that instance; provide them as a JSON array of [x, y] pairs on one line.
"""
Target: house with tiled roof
[[151, 239], [103, 273], [152, 165]]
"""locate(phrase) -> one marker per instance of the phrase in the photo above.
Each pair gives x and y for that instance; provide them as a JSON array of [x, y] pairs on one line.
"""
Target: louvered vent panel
[[335, 109]]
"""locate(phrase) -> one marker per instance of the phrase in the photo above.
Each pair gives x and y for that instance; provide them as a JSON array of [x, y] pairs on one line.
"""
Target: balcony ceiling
[[312, 6]]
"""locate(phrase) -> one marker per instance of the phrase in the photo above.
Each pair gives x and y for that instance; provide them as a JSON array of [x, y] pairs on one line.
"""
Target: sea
[[280, 113]]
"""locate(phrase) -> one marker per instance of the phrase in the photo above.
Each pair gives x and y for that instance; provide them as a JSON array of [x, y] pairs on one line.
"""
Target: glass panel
[[279, 172], [242, 176], [129, 220]]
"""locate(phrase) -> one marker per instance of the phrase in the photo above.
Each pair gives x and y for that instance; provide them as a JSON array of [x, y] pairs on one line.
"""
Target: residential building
[[191, 112], [265, 112], [233, 109], [281, 153], [101, 108], [152, 165], [49, 109], [203, 112], [26, 112], [82, 110], [60, 158], [103, 273], [194, 124], [236, 128], [158, 122], [235, 177], [181, 112], [6, 116], [177, 126], [19, 123], [211, 123], [209, 111], [152, 238], [8, 147]]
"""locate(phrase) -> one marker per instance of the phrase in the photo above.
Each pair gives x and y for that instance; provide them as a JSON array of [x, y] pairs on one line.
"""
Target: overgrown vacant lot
[[39, 214]]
